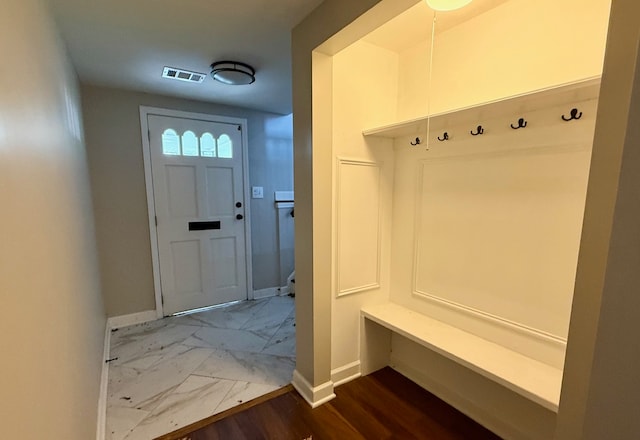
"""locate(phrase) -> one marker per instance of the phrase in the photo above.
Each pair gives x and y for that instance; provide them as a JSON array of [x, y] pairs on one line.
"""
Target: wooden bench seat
[[528, 377]]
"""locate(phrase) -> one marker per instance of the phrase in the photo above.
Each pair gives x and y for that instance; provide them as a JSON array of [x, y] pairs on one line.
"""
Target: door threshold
[[206, 309]]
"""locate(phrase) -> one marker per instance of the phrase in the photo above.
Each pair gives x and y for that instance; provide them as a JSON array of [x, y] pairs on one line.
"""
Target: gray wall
[[114, 144], [52, 331]]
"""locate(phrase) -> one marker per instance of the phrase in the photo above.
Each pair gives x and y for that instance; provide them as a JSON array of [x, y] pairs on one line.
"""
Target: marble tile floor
[[178, 370]]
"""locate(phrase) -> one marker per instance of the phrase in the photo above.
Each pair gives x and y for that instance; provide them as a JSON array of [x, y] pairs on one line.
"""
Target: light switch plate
[[257, 192]]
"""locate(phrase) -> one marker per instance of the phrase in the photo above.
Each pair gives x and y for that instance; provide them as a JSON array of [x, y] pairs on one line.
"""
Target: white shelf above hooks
[[510, 107]]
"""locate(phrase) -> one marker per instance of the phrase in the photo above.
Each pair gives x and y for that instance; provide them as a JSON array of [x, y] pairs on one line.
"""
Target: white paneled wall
[[359, 234], [479, 232], [486, 229], [362, 186], [499, 232]]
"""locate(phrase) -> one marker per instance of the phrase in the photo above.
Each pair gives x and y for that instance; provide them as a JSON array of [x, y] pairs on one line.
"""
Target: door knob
[[239, 217], [238, 205]]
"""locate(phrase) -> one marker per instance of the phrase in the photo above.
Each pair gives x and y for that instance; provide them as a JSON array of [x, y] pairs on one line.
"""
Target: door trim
[[145, 111]]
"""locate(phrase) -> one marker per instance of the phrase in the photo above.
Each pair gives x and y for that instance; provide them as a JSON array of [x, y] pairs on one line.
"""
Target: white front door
[[198, 192]]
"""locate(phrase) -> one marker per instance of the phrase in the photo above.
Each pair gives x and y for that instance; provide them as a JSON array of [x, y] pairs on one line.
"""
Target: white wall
[[501, 243], [486, 229], [373, 86], [53, 324], [365, 84], [521, 195], [313, 165], [614, 382], [514, 48]]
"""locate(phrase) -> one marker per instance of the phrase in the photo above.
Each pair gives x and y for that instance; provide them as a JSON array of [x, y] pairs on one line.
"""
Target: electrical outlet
[[257, 192]]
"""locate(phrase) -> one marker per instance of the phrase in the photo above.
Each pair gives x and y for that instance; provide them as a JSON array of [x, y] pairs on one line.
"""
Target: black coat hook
[[574, 115], [417, 142], [445, 137], [479, 131], [521, 124]]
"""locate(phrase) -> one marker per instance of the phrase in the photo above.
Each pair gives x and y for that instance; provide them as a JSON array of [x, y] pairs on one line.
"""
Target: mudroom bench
[[528, 377]]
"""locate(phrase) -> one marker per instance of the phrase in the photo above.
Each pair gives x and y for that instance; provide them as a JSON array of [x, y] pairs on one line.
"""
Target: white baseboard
[[291, 284], [135, 318], [346, 373], [266, 293], [104, 382], [315, 396], [271, 291]]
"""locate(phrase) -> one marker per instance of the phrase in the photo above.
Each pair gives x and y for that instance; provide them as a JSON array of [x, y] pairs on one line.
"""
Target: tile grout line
[[256, 312], [168, 392], [242, 319], [276, 332], [225, 396]]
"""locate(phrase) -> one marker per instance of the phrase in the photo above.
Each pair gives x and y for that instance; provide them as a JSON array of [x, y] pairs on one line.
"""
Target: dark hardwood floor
[[383, 405]]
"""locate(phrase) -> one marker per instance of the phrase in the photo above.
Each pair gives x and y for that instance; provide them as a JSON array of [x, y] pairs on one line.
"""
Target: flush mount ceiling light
[[447, 5], [233, 73]]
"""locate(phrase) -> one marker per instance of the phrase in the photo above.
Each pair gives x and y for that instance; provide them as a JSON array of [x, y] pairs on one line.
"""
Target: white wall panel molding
[[426, 292], [475, 238], [443, 285], [487, 227], [542, 336], [358, 226]]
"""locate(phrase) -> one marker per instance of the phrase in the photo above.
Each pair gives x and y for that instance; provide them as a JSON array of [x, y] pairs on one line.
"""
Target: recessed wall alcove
[[478, 229]]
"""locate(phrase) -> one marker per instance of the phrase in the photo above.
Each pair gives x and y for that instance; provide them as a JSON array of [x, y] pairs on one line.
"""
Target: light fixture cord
[[433, 38]]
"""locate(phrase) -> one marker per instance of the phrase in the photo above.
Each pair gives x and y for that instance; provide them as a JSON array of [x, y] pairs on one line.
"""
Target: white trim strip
[[540, 335], [346, 373], [266, 293], [101, 428], [283, 196], [116, 322], [374, 284], [315, 396]]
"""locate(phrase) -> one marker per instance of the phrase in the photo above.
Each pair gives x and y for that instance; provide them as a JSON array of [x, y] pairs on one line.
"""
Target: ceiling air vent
[[182, 75]]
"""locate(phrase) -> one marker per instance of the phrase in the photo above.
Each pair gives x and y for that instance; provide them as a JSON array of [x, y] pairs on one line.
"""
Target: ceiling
[[126, 44], [414, 25]]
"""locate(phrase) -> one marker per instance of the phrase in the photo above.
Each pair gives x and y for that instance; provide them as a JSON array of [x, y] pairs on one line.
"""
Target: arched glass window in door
[[207, 145], [225, 147], [170, 143], [189, 144]]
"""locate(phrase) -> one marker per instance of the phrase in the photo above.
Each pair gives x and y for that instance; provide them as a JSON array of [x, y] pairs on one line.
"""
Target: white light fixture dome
[[233, 73], [447, 5]]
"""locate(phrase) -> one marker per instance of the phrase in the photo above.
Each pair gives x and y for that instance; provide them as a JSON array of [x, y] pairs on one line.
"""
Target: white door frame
[[151, 207]]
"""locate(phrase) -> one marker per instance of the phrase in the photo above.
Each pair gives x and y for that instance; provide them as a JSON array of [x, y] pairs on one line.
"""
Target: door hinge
[[239, 127], [156, 218], [149, 135]]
